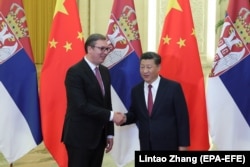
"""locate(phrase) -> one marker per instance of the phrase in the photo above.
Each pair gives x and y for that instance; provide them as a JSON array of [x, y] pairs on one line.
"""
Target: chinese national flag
[[181, 62], [65, 47]]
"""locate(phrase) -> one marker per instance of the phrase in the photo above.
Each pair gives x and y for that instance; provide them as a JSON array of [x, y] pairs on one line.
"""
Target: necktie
[[150, 100], [99, 78]]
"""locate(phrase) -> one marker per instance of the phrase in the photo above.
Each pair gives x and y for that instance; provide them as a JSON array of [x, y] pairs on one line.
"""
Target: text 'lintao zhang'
[[171, 158]]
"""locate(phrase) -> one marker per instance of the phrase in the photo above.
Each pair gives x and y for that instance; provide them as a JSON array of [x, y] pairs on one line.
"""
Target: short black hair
[[91, 40], [151, 55]]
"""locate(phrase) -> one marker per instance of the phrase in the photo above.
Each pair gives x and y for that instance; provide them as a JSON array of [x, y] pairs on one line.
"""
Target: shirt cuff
[[110, 137], [111, 116]]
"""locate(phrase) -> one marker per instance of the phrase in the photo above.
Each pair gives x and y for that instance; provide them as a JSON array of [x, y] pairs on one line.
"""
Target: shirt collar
[[91, 65], [155, 83]]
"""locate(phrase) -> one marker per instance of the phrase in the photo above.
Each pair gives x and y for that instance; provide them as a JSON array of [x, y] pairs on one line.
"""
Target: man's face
[[99, 52], [149, 70]]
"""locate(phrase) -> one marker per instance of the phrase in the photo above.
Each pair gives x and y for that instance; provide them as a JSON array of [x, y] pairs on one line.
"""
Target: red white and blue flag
[[228, 99], [123, 62], [20, 129]]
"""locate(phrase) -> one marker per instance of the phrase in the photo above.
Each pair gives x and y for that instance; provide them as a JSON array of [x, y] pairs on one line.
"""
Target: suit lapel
[[159, 95], [91, 75], [141, 98]]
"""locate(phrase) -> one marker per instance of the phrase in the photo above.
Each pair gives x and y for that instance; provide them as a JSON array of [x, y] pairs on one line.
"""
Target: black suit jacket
[[168, 126], [88, 111]]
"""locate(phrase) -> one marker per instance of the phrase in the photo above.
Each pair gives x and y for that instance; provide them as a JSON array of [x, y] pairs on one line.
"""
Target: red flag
[[181, 62], [65, 47]]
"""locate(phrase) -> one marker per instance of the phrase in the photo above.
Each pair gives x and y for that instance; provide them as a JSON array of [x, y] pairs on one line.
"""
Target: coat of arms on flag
[[231, 47], [122, 31], [11, 28]]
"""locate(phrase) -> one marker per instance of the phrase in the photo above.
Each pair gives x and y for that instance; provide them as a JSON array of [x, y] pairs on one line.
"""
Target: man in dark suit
[[166, 127], [88, 126]]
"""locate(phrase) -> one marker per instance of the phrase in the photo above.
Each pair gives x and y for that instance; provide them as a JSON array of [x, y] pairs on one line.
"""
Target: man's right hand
[[119, 118]]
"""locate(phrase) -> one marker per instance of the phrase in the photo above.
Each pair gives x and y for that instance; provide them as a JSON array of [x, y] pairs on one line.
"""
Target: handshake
[[119, 118]]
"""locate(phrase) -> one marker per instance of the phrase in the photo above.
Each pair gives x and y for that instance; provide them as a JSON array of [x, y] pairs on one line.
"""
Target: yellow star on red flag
[[60, 7], [80, 36], [166, 39], [173, 4], [53, 43], [67, 46], [181, 43]]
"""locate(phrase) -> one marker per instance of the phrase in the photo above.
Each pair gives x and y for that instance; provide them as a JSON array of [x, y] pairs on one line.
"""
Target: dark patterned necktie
[[99, 78], [150, 100]]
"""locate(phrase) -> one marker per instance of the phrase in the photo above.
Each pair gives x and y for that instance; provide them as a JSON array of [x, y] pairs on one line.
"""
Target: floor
[[39, 157]]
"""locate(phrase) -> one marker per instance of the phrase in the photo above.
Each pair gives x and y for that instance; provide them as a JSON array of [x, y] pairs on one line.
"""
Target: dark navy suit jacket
[[168, 126], [88, 111]]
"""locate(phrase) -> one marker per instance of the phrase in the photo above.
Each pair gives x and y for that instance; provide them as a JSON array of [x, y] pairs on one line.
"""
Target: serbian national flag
[[65, 48], [228, 99], [20, 129], [123, 62], [181, 62]]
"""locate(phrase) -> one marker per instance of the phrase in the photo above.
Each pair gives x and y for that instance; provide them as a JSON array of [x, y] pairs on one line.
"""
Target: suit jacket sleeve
[[182, 117]]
